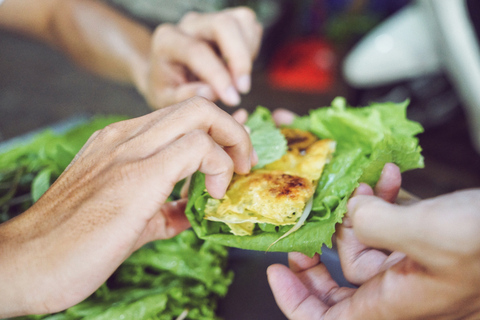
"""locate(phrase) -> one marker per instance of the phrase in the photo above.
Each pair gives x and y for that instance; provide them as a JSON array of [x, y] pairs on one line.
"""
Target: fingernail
[[231, 96], [244, 83], [206, 92]]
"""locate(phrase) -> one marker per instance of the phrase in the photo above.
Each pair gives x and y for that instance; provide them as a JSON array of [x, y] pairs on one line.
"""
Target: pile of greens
[[367, 138], [182, 277], [28, 169], [168, 279]]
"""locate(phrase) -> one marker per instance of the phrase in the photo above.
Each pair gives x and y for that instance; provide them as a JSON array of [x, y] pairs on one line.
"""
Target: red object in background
[[306, 65]]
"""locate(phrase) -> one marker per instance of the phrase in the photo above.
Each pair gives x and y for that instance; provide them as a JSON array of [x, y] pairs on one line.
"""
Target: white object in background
[[460, 55], [400, 48], [426, 37]]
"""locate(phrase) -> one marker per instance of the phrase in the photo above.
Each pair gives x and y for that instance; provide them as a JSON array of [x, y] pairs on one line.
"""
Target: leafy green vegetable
[[28, 169], [367, 138], [267, 140]]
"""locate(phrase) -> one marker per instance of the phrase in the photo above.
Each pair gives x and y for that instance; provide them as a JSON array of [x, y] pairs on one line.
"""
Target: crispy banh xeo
[[277, 193]]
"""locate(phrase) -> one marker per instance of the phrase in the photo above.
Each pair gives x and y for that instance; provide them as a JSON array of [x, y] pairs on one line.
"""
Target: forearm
[[102, 40], [91, 33], [22, 269]]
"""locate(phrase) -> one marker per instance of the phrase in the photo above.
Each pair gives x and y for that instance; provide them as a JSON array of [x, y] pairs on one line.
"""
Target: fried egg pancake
[[277, 193]]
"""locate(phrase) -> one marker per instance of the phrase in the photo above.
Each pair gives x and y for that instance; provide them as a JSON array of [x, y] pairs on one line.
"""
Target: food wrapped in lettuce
[[356, 144]]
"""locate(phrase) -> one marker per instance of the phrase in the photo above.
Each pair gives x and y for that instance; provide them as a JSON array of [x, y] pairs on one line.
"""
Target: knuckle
[[197, 49], [189, 17], [221, 20], [200, 139], [245, 13], [111, 132], [161, 33], [198, 106], [164, 28]]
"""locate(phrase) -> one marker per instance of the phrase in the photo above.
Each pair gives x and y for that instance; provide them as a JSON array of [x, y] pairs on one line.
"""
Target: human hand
[[425, 265], [110, 201], [210, 55]]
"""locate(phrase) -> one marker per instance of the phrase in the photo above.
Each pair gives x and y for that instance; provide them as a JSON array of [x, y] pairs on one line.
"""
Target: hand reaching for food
[[418, 261], [111, 200]]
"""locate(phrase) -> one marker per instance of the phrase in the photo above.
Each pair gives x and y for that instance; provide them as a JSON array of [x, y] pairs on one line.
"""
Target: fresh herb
[[28, 169]]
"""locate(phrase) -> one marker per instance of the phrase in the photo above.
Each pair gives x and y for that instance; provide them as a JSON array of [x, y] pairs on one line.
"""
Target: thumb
[[380, 224]]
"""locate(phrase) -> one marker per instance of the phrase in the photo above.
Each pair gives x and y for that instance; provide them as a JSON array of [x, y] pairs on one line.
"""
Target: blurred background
[[313, 51]]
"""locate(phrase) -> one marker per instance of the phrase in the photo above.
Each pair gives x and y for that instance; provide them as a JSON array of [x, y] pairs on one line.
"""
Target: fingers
[[216, 48], [236, 33], [291, 295], [306, 290], [283, 116], [299, 262], [252, 30], [173, 45], [389, 183], [171, 123], [178, 163], [316, 278], [173, 143], [241, 115], [423, 230], [169, 94], [374, 220], [359, 262]]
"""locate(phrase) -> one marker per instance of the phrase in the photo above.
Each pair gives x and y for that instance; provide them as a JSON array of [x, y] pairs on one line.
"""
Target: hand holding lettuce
[[366, 137], [166, 279]]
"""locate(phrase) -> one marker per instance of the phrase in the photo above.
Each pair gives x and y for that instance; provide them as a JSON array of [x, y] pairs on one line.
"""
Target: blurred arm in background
[[210, 55]]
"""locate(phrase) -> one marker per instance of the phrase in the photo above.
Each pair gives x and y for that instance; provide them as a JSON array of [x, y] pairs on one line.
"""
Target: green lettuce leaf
[[367, 138], [267, 140]]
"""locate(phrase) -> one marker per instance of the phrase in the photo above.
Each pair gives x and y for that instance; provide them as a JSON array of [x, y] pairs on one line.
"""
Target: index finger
[[171, 123], [237, 35]]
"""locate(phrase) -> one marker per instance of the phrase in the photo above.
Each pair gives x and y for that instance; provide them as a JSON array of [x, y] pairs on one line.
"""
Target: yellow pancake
[[277, 193]]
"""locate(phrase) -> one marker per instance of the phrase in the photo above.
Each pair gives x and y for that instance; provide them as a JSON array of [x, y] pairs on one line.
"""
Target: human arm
[[168, 65], [110, 201], [418, 261]]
